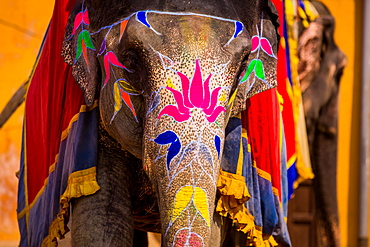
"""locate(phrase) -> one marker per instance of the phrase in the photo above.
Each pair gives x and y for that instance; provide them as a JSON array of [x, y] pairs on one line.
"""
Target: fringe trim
[[80, 183], [234, 193], [258, 239]]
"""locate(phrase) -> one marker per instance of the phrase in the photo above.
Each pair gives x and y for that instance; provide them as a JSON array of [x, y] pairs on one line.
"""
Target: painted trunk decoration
[[186, 138]]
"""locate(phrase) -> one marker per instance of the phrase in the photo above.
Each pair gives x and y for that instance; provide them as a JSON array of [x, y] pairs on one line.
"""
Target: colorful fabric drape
[[294, 130], [58, 159], [267, 145], [263, 124], [253, 150]]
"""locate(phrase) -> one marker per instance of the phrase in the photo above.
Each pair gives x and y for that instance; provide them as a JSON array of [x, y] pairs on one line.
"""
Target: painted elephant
[[168, 75], [320, 68]]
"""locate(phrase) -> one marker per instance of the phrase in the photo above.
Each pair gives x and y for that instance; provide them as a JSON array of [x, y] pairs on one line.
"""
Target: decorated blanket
[[59, 142]]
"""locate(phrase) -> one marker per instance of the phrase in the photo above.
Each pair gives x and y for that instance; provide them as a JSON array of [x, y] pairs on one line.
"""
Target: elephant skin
[[164, 73]]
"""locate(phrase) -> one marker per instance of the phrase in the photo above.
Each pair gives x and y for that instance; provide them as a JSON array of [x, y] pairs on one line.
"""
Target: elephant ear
[[260, 70], [79, 51]]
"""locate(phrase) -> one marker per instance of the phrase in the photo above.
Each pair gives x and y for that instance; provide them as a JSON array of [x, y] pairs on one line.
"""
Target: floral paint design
[[185, 237], [194, 95], [110, 59], [169, 137], [218, 144], [259, 42], [122, 91], [84, 41], [191, 196], [191, 201], [82, 18], [263, 43]]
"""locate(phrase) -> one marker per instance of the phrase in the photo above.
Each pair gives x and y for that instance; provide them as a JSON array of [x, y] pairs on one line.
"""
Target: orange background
[[22, 27]]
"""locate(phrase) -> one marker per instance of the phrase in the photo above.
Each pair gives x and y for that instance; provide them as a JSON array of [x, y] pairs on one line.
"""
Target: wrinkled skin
[[160, 150], [320, 68]]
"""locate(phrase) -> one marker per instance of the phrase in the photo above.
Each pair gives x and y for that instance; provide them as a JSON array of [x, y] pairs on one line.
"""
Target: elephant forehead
[[196, 27], [172, 42], [187, 36]]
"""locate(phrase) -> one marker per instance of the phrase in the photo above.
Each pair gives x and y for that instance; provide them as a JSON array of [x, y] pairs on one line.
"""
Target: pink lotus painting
[[196, 94]]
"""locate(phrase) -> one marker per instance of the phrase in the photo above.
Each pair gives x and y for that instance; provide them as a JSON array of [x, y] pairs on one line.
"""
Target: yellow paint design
[[169, 83], [117, 98], [232, 98], [127, 87], [201, 203], [222, 97], [182, 200], [185, 196]]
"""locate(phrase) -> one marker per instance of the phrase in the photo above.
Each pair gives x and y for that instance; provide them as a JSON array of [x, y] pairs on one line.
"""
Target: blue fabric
[[263, 205], [77, 152], [292, 174]]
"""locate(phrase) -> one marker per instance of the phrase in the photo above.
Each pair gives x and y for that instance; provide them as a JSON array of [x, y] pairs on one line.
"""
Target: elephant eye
[[243, 65], [131, 59]]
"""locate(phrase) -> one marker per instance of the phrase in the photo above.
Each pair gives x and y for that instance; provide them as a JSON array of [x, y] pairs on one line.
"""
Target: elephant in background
[[320, 68], [168, 75]]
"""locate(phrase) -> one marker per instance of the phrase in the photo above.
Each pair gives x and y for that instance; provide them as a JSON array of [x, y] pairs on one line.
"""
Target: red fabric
[[263, 124], [283, 83], [47, 99]]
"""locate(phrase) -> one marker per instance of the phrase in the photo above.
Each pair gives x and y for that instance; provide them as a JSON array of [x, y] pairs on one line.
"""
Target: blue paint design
[[218, 144], [169, 137], [141, 16], [238, 28]]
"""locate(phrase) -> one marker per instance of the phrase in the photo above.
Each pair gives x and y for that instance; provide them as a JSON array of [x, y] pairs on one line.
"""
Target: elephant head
[[168, 77]]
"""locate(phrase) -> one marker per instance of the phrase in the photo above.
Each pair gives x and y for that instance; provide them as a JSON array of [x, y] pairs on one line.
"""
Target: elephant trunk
[[183, 163]]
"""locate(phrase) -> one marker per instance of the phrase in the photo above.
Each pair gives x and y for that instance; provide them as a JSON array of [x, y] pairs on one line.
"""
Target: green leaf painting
[[255, 65], [84, 37]]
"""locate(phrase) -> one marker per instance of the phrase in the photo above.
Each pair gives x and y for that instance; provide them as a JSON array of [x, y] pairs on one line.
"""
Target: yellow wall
[[348, 16], [22, 26]]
